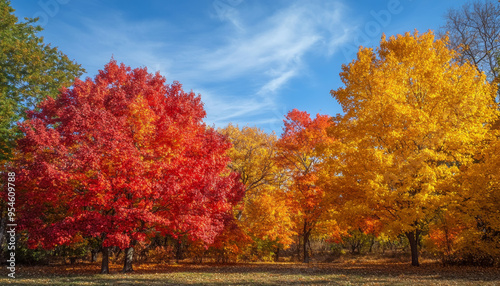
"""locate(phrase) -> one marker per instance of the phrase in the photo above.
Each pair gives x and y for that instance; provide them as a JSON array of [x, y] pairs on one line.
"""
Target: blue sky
[[251, 61]]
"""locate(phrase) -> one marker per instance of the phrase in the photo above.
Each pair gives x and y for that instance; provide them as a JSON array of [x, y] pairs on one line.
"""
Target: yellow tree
[[251, 154], [263, 212], [469, 229], [412, 116]]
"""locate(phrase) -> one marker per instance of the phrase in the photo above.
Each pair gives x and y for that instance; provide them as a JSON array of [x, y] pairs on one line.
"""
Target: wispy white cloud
[[272, 52], [227, 11], [261, 54], [274, 49], [274, 84], [222, 109]]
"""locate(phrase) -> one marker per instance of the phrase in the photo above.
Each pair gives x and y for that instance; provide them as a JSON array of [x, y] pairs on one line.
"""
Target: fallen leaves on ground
[[350, 272]]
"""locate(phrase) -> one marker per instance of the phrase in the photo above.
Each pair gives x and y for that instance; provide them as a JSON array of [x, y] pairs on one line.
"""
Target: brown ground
[[346, 272]]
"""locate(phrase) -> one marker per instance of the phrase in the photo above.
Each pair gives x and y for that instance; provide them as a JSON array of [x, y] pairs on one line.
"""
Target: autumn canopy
[[414, 118], [124, 161], [121, 157]]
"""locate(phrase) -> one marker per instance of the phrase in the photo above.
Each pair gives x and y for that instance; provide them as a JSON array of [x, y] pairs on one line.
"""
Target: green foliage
[[261, 250], [336, 250], [358, 242], [27, 256], [30, 71]]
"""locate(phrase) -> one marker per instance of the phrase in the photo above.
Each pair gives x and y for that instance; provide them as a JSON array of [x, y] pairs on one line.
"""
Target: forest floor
[[345, 272]]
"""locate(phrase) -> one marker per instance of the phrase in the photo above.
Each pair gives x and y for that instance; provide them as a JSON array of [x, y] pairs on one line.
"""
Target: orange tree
[[300, 155], [412, 117]]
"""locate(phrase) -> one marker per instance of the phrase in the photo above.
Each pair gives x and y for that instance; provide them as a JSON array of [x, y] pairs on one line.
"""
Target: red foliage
[[299, 153], [119, 157], [303, 133]]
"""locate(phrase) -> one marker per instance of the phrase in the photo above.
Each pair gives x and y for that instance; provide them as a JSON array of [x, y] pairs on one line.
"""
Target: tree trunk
[[129, 256], [298, 247], [105, 261], [93, 255], [306, 241], [277, 256], [178, 250], [413, 239], [372, 242]]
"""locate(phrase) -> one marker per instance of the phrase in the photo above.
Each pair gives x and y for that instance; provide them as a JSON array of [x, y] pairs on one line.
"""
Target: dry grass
[[347, 272]]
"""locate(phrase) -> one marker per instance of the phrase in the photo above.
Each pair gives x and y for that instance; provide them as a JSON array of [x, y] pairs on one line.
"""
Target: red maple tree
[[120, 158]]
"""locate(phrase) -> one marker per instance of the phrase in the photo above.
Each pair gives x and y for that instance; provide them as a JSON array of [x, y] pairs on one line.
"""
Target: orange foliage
[[300, 155]]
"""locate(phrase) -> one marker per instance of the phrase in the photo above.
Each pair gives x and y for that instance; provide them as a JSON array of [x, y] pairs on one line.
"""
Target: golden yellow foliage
[[263, 213], [474, 204], [413, 116], [141, 120]]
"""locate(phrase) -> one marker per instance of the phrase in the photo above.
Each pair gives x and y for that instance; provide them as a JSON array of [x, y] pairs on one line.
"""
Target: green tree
[[30, 71]]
